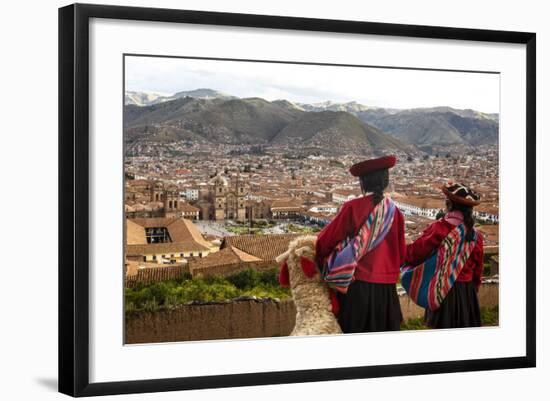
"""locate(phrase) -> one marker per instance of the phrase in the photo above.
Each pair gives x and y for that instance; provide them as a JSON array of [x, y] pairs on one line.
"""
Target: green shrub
[[489, 316], [414, 324], [172, 293], [486, 269], [245, 279]]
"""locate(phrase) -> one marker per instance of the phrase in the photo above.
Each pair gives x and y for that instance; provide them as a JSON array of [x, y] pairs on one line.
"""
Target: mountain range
[[209, 115], [150, 98]]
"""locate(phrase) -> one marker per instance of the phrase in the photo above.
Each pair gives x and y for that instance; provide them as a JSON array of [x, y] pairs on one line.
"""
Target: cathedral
[[229, 197]]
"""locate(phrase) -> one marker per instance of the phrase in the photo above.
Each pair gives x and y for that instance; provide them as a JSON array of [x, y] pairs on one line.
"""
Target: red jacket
[[381, 265], [430, 240]]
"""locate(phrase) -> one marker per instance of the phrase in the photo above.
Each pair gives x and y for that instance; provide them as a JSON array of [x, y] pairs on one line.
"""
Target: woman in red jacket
[[460, 308], [371, 302]]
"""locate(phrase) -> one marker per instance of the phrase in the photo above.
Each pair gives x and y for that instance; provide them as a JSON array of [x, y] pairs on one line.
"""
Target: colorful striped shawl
[[429, 282], [341, 263]]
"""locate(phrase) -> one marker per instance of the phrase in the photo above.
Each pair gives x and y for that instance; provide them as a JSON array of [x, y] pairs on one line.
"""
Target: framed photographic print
[[251, 199]]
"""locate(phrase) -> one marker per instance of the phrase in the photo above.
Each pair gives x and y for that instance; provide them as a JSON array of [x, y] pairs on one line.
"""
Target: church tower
[[171, 200], [220, 190], [157, 191], [240, 191]]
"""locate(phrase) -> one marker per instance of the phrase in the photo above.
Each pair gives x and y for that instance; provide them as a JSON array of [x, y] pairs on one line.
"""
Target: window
[[154, 257], [157, 235], [191, 254]]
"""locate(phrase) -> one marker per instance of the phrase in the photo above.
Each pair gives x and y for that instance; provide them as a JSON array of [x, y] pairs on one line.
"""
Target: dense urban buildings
[[232, 190]]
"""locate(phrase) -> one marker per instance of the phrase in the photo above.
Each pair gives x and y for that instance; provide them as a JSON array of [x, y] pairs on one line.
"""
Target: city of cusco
[[217, 186]]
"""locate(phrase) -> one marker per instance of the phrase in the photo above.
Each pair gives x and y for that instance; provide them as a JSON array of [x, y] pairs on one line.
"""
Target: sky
[[376, 87]]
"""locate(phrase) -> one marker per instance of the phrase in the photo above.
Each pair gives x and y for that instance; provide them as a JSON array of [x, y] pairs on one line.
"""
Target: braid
[[375, 182], [469, 221]]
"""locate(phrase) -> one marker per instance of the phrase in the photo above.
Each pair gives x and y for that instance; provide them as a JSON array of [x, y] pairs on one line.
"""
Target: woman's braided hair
[[468, 213], [375, 182]]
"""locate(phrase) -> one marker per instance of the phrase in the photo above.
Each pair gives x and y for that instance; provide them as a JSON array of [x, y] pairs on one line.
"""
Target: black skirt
[[459, 309], [369, 307]]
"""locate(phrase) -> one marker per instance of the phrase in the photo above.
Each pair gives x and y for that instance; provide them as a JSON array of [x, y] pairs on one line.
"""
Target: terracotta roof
[[137, 182], [190, 229], [132, 266], [166, 248], [184, 235], [286, 209], [226, 256], [135, 233], [286, 204], [186, 207], [436, 202], [245, 257], [265, 247], [154, 221], [347, 192]]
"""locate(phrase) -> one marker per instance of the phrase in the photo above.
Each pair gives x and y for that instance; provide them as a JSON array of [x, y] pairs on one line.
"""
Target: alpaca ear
[[284, 278], [282, 257], [309, 267], [304, 250]]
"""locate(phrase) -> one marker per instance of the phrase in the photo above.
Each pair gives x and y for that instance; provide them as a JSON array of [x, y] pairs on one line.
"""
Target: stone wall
[[488, 297], [151, 275], [241, 319], [229, 269], [237, 319]]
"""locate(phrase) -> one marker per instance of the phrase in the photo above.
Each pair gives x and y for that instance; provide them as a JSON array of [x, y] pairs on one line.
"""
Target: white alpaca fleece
[[311, 295]]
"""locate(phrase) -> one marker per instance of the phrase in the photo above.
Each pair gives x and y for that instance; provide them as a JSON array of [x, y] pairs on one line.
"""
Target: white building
[[343, 195], [190, 194], [411, 210], [487, 217], [325, 208]]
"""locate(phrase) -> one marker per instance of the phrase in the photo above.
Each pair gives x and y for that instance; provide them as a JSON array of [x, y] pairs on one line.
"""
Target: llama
[[311, 296]]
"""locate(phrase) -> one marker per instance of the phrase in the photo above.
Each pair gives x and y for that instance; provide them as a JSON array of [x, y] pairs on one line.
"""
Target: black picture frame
[[74, 200]]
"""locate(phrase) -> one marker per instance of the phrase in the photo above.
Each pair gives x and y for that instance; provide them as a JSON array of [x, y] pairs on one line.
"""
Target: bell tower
[[157, 191], [171, 201], [240, 190], [220, 191]]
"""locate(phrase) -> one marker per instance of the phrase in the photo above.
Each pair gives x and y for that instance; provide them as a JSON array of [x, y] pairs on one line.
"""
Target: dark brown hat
[[460, 193]]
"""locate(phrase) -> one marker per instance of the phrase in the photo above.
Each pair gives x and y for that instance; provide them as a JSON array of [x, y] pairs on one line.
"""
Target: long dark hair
[[468, 213], [375, 182]]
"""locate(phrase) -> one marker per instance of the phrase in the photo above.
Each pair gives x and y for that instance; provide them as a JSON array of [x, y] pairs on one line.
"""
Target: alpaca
[[311, 295]]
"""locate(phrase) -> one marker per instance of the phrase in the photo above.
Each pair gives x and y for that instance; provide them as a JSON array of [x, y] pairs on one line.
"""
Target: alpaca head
[[298, 264]]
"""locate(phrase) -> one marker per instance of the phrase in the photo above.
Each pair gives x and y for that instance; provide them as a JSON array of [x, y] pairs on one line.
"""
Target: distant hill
[[150, 98], [439, 126], [209, 115], [142, 98], [424, 126], [235, 121], [339, 131], [350, 107]]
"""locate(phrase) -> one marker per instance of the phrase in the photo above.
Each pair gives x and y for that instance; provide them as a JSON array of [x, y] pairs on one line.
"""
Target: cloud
[[382, 87]]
